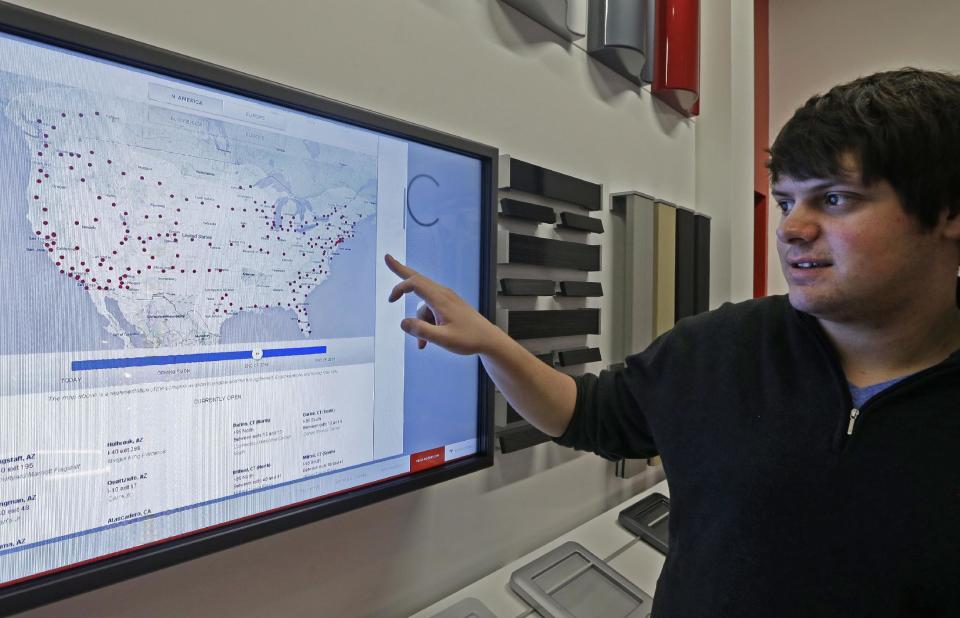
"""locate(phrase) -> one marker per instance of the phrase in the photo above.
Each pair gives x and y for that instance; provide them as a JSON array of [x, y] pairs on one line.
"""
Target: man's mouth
[[809, 264]]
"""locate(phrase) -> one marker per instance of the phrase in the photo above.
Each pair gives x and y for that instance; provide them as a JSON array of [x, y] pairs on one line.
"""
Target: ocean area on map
[[342, 306], [44, 313]]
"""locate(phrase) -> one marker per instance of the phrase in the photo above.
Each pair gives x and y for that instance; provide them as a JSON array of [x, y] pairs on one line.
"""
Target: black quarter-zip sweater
[[780, 505]]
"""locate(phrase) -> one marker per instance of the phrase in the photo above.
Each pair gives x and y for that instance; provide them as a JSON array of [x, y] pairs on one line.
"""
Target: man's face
[[850, 251]]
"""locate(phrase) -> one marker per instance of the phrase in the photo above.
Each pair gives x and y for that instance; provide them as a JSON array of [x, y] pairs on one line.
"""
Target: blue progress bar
[[177, 359]]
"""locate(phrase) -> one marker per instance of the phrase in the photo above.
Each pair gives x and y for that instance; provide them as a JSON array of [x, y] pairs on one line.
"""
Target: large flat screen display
[[194, 327]]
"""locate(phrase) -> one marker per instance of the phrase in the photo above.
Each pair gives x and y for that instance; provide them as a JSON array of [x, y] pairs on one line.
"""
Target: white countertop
[[602, 535]]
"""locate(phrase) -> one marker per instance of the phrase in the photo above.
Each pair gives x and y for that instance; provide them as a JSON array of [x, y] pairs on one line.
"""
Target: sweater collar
[[812, 322]]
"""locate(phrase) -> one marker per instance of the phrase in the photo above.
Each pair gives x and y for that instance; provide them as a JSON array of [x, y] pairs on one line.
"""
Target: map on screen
[[175, 224]]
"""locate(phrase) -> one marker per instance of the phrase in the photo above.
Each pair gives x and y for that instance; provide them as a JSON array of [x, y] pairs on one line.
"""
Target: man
[[811, 442]]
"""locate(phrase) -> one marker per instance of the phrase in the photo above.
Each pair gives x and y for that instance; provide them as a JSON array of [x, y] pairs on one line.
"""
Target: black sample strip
[[701, 292], [581, 222], [553, 323], [685, 264], [520, 437], [557, 253], [539, 181], [527, 287], [650, 520], [581, 288], [578, 356], [526, 210], [546, 357]]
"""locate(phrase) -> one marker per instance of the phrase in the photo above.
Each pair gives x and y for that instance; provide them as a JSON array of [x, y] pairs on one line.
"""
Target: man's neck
[[874, 351]]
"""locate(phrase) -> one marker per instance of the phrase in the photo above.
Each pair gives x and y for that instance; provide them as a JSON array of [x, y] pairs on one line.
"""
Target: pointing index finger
[[401, 270], [414, 282]]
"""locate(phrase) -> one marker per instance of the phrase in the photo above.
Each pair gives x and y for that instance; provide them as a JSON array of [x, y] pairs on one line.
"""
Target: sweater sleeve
[[607, 419], [619, 413]]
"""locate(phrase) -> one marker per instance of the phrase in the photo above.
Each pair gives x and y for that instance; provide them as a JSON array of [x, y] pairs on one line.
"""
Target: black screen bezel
[[75, 37]]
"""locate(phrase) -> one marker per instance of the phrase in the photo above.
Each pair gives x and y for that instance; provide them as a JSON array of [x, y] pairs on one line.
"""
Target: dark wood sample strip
[[546, 357], [528, 211], [520, 436], [525, 249], [527, 287], [685, 264], [581, 222], [701, 296], [548, 183], [581, 288], [578, 356], [553, 323]]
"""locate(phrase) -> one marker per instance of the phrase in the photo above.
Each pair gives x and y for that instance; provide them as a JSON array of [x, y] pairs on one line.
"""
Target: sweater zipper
[[854, 413], [840, 440], [906, 383]]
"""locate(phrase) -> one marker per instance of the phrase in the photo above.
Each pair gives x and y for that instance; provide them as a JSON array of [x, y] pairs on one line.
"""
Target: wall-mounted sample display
[[525, 210], [676, 72], [578, 356], [701, 292], [649, 39], [523, 249], [581, 288], [635, 278], [684, 264], [560, 326], [518, 175], [566, 18], [665, 271], [552, 323], [519, 436], [615, 36], [527, 287], [633, 273], [581, 222]]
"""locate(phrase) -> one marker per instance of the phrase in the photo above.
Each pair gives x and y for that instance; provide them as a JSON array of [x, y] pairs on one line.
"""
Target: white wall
[[480, 70], [724, 145], [817, 44]]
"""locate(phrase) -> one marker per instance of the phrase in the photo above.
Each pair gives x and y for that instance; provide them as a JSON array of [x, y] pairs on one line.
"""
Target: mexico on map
[[172, 224]]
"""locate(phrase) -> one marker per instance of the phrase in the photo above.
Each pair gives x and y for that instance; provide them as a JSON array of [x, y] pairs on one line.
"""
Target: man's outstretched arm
[[540, 393]]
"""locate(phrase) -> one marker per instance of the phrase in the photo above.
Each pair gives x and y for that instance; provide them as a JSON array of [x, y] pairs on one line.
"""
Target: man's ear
[[951, 224]]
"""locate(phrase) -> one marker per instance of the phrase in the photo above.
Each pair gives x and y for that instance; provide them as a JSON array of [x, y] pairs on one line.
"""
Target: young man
[[811, 442]]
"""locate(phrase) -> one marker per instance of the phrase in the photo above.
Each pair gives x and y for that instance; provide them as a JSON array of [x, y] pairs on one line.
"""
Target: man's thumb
[[421, 329]]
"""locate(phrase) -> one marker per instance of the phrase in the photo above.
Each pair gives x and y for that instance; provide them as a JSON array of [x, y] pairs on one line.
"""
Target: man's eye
[[835, 199], [784, 206]]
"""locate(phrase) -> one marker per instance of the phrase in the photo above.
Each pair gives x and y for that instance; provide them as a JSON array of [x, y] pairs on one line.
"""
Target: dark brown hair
[[902, 126]]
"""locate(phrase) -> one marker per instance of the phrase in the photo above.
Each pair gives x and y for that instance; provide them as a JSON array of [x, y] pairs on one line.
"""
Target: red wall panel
[[761, 133], [676, 75]]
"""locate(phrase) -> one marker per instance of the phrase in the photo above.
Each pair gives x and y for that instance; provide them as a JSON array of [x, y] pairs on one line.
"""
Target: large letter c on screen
[[410, 188]]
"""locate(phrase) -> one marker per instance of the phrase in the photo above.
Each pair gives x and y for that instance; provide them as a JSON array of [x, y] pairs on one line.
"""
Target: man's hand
[[540, 393], [443, 318]]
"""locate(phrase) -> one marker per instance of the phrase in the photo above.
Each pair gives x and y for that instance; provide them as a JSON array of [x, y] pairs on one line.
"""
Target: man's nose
[[800, 225]]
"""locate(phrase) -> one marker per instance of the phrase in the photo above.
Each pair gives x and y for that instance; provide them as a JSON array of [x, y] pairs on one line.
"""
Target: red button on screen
[[427, 459]]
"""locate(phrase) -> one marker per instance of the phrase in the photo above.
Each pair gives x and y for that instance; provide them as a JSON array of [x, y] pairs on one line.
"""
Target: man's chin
[[819, 307], [803, 302]]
